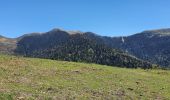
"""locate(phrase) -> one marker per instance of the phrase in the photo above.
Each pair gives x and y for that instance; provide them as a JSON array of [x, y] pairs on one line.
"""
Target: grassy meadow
[[41, 79]]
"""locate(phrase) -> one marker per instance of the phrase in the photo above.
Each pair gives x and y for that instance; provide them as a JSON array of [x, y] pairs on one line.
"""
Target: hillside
[[7, 45], [31, 78], [152, 45], [80, 47], [141, 49]]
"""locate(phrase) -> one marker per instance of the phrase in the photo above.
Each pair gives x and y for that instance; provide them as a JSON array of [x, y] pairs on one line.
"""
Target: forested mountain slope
[[82, 47], [153, 45]]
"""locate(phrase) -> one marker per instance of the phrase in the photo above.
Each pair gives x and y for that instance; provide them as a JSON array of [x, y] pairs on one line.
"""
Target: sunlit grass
[[31, 78]]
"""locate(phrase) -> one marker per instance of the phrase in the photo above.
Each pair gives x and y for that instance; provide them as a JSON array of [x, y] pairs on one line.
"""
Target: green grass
[[41, 79]]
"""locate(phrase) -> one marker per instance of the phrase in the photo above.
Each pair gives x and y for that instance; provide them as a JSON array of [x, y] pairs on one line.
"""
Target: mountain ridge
[[150, 45], [86, 47], [7, 45]]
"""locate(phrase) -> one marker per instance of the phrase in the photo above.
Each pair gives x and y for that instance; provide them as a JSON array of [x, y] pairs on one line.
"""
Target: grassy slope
[[29, 78]]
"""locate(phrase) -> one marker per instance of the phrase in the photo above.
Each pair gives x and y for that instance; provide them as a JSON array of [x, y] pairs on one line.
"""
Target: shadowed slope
[[81, 47]]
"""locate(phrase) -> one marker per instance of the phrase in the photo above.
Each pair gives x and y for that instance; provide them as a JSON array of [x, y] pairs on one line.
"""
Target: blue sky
[[104, 17]]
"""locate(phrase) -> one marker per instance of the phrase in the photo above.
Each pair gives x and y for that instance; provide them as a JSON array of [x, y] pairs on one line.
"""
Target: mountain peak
[[158, 32], [70, 32], [161, 30], [56, 29]]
